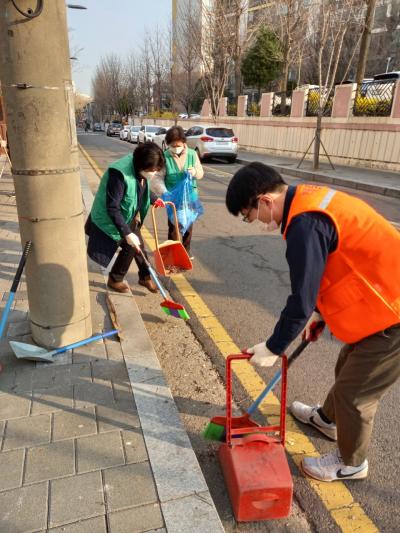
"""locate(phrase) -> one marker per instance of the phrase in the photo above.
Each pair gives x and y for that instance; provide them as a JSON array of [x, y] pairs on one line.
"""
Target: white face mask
[[176, 150], [267, 227], [148, 175]]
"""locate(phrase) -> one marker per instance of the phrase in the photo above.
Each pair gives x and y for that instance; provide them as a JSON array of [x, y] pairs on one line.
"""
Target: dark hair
[[248, 183], [147, 155], [174, 134]]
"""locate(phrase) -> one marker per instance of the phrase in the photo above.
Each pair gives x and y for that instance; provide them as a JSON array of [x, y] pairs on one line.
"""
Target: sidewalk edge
[[331, 180], [185, 500]]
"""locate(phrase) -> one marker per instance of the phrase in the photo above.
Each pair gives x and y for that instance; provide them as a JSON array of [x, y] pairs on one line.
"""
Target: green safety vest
[[172, 173], [128, 206]]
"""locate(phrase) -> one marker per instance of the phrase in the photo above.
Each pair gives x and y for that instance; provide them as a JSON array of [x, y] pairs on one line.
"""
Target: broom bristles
[[214, 432]]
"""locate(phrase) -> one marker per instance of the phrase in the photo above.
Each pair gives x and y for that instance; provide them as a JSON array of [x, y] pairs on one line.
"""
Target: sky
[[110, 26]]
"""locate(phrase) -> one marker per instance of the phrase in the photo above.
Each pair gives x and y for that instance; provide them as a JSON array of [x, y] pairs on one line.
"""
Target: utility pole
[[37, 89], [365, 40]]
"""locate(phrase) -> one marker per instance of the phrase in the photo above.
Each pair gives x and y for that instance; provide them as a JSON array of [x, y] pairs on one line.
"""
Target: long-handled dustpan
[[168, 306], [23, 350]]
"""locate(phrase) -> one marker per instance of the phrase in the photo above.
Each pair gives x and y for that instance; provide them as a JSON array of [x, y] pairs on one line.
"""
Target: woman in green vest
[[179, 159], [119, 209]]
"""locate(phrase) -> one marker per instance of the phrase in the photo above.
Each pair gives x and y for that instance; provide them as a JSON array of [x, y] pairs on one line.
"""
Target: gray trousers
[[363, 373]]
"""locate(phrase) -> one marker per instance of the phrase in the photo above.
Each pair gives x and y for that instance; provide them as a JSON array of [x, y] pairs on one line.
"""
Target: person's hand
[[261, 355], [314, 327], [133, 240], [192, 171], [159, 203]]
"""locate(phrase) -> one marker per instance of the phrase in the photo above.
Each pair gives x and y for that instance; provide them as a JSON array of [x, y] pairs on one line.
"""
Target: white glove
[[262, 356], [192, 171], [133, 240], [314, 319]]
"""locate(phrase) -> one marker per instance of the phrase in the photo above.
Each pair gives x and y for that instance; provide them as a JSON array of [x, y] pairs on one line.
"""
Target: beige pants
[[363, 373]]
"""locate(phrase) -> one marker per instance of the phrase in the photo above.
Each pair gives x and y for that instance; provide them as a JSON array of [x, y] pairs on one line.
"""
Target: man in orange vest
[[344, 262]]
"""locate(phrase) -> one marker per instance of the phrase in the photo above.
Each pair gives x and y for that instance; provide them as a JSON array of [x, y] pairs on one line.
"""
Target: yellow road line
[[339, 501]]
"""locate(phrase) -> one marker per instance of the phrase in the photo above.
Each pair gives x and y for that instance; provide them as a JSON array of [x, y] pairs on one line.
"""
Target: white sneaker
[[330, 467], [309, 415]]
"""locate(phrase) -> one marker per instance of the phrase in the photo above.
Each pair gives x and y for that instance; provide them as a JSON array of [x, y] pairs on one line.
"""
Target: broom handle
[[298, 351], [154, 275], [14, 287], [277, 377], [85, 341]]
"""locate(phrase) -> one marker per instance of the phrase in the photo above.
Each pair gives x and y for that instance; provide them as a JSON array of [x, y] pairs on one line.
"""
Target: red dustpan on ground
[[170, 257]]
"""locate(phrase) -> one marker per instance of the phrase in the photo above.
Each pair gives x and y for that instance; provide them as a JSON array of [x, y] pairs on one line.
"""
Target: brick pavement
[[73, 456]]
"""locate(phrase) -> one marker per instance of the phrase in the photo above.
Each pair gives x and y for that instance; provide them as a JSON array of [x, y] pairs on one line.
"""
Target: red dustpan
[[170, 257]]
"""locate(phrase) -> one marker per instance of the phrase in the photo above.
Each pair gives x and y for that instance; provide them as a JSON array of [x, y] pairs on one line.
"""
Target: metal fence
[[313, 104], [253, 109], [282, 104], [374, 99]]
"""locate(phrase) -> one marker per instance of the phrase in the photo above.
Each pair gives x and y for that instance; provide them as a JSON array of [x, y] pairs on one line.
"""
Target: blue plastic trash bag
[[188, 206]]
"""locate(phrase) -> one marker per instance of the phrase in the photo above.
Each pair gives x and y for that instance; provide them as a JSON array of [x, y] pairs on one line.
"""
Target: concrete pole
[[36, 82]]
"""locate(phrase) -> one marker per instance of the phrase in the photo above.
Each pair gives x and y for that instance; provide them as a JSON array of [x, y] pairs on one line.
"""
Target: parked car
[[159, 138], [123, 134], [147, 132], [133, 134], [113, 129], [387, 76], [194, 115], [97, 126], [213, 141], [182, 115]]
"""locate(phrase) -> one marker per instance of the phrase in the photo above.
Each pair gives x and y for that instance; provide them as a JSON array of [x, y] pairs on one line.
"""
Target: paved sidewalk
[[365, 179], [92, 442]]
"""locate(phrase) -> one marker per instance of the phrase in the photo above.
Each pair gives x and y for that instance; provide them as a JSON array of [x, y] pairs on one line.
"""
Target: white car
[[213, 141], [159, 138], [147, 132], [123, 134], [133, 134]]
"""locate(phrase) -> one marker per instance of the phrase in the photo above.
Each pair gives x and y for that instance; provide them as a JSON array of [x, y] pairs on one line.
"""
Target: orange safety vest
[[359, 293]]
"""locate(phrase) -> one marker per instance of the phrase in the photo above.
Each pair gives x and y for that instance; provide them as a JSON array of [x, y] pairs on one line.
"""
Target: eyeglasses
[[245, 218], [253, 205]]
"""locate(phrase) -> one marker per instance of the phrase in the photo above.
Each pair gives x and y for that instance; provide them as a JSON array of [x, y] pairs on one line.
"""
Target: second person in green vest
[[179, 159]]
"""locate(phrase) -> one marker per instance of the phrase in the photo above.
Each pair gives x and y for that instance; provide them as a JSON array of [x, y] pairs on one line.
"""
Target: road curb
[[185, 500], [331, 180]]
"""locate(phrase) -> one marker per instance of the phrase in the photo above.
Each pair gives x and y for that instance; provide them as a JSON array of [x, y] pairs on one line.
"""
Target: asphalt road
[[243, 278]]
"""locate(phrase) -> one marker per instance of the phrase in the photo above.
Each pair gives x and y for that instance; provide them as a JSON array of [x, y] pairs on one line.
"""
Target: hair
[[175, 134], [147, 155], [248, 183]]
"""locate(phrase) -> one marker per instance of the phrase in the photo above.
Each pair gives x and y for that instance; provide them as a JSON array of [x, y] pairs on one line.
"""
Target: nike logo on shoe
[[315, 423], [340, 475]]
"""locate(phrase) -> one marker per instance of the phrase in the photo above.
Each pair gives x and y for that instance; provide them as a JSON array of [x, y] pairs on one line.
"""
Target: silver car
[[159, 138], [213, 141], [146, 132], [133, 134]]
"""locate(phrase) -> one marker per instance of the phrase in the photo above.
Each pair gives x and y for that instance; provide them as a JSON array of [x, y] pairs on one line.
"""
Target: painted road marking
[[339, 501]]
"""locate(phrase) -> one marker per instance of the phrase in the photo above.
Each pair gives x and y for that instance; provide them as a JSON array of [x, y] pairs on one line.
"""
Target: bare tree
[[107, 87], [213, 41], [331, 21], [289, 21], [159, 62], [186, 54], [365, 39], [145, 76]]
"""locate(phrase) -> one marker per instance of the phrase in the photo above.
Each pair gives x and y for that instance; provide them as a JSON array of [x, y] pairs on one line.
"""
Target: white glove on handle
[[262, 356], [133, 240], [308, 333]]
